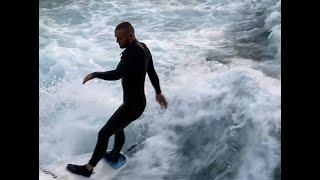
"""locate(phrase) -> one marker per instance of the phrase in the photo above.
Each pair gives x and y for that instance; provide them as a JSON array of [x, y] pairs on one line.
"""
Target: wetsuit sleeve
[[116, 74], [153, 75]]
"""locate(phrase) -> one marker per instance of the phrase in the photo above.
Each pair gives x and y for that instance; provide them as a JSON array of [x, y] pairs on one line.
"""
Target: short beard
[[126, 44]]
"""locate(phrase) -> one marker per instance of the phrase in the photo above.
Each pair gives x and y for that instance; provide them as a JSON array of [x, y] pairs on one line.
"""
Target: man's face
[[122, 38]]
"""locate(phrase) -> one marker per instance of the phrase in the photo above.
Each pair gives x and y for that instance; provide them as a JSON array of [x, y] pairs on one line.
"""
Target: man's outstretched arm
[[109, 75]]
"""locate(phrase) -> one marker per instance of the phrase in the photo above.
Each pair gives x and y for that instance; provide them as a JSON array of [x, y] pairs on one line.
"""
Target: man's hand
[[88, 78], [162, 100]]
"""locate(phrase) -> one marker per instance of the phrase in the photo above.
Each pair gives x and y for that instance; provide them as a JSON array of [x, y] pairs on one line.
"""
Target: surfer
[[136, 61]]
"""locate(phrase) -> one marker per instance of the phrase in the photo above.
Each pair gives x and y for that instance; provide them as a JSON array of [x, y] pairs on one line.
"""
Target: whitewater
[[219, 65]]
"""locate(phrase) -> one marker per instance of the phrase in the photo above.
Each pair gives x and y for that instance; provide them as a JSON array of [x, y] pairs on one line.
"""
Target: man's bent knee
[[104, 134]]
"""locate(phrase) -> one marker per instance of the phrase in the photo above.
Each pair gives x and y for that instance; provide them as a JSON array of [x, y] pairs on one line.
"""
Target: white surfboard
[[58, 170]]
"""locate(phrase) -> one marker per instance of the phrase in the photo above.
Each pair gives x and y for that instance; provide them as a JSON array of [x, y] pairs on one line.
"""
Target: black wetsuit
[[136, 61]]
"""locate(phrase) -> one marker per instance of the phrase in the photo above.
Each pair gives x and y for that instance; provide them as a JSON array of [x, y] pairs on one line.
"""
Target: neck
[[131, 41]]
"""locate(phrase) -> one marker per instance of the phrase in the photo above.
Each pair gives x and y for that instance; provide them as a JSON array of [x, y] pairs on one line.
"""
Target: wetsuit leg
[[118, 121], [119, 139]]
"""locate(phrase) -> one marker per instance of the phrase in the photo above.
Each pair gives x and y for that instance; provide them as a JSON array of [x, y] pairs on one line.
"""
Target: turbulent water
[[219, 66]]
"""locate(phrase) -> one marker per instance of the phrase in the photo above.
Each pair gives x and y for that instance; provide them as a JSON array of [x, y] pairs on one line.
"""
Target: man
[[136, 61]]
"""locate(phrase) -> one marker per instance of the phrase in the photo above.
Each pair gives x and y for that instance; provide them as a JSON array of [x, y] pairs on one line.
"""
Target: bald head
[[124, 33], [126, 26]]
